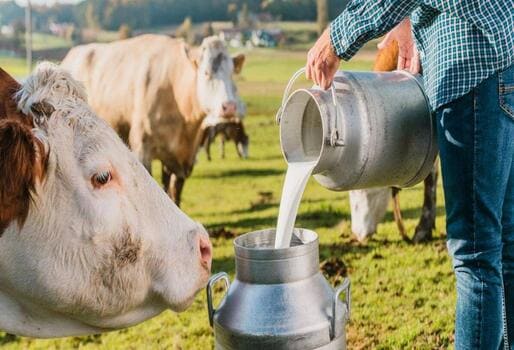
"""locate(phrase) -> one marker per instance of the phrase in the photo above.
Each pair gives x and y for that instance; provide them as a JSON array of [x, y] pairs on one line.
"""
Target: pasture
[[403, 295]]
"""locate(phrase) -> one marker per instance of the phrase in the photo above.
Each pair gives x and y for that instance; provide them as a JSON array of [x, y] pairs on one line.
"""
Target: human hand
[[408, 55], [322, 62]]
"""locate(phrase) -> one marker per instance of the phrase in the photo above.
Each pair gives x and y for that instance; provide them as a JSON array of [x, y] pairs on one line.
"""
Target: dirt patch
[[221, 232], [334, 269]]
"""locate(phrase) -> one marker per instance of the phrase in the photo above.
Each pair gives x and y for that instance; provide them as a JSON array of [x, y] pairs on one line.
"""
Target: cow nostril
[[229, 107], [205, 251]]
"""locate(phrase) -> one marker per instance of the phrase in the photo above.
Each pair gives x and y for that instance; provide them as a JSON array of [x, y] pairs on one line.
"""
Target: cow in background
[[155, 91], [228, 131], [369, 206], [89, 242]]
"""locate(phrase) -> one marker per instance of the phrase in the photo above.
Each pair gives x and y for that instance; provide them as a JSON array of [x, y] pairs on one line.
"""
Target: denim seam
[[473, 205], [504, 89]]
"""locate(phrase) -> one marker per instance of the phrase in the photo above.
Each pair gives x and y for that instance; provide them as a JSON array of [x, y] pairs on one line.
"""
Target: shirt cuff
[[340, 42]]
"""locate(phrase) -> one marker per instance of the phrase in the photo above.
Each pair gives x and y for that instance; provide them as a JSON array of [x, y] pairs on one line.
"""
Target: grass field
[[403, 295]]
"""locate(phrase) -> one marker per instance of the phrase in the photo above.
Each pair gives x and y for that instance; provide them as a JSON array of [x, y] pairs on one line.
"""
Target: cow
[[228, 131], [89, 242], [369, 206], [155, 91]]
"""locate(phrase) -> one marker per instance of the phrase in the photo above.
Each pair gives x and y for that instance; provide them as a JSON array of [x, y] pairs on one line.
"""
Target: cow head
[[216, 90], [368, 208], [89, 242]]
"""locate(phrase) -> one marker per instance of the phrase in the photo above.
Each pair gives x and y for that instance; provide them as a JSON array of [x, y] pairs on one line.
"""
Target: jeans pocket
[[506, 90]]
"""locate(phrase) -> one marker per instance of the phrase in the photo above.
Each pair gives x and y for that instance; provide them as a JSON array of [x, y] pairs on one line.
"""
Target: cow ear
[[22, 163], [239, 60], [193, 55]]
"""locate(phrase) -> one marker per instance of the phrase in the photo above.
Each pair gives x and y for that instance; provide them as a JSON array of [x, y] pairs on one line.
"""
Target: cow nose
[[229, 108], [205, 249]]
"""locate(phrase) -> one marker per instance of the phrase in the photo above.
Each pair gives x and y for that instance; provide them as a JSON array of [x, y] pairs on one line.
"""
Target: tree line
[[111, 14]]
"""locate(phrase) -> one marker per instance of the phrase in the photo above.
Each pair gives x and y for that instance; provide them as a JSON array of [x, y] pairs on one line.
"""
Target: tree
[[244, 17], [322, 14]]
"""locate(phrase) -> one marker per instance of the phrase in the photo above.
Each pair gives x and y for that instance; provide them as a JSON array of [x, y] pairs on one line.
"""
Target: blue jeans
[[476, 141]]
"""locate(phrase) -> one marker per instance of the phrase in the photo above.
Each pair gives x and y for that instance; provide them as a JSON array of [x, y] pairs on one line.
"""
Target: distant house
[[233, 37], [267, 37], [61, 29], [7, 30]]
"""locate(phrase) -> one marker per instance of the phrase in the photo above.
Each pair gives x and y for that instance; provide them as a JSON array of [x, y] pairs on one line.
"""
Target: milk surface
[[297, 175]]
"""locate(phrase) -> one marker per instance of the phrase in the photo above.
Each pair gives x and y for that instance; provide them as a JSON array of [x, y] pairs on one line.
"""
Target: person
[[466, 53]]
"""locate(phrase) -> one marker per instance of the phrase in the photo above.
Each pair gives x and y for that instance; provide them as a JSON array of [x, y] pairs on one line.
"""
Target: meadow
[[402, 294]]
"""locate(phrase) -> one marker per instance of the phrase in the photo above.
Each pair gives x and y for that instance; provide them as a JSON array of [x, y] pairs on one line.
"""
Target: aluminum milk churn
[[370, 129], [278, 299]]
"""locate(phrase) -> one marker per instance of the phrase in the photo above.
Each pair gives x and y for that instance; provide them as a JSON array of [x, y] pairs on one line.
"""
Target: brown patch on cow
[[387, 58], [239, 60], [42, 109], [22, 156], [126, 250], [20, 168]]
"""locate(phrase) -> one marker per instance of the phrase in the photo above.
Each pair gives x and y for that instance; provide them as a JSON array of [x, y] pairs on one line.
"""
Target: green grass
[[14, 66], [403, 295], [42, 41]]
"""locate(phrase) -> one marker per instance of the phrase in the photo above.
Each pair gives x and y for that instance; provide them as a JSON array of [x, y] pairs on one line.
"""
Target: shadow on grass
[[242, 173], [413, 213], [8, 338], [323, 218], [224, 264]]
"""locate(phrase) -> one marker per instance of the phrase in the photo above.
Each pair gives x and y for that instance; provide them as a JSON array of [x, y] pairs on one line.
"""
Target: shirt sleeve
[[363, 20]]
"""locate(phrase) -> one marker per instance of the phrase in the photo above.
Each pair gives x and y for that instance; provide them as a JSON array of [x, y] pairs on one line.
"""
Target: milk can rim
[[270, 253]]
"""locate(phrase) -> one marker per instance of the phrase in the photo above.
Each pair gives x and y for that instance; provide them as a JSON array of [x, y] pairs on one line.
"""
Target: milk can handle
[[334, 133], [343, 287], [212, 281]]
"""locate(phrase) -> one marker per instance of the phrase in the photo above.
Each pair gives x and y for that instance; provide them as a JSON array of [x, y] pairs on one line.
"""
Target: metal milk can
[[370, 129], [279, 299]]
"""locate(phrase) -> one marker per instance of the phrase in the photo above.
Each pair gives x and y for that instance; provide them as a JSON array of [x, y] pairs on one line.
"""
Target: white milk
[[297, 175]]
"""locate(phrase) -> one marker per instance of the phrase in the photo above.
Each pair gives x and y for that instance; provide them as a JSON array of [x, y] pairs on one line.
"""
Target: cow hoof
[[422, 235]]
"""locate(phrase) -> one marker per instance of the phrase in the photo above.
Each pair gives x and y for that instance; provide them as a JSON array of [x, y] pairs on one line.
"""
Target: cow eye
[[100, 179]]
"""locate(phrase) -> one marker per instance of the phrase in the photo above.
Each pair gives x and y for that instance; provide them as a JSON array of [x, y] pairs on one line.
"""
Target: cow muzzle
[[228, 109]]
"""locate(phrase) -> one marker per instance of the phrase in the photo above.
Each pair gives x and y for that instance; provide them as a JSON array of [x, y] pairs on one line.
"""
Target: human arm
[[360, 22]]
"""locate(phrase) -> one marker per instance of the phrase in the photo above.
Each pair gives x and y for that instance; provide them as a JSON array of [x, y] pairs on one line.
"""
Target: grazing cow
[[369, 206], [228, 131], [155, 91], [89, 242]]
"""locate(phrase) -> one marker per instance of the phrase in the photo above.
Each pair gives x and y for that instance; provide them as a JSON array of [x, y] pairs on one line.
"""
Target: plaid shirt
[[461, 42]]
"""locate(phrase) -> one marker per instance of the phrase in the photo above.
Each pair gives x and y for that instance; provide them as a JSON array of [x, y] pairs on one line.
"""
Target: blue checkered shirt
[[461, 42]]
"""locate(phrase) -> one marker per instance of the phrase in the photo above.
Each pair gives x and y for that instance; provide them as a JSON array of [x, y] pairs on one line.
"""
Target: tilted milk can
[[278, 299], [370, 129]]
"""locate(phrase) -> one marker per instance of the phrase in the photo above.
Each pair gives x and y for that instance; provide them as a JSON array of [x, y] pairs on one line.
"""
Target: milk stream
[[297, 175]]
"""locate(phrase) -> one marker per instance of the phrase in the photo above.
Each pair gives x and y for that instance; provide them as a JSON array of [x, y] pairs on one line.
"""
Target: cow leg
[[222, 146], [208, 142], [172, 184], [175, 188], [398, 214], [427, 221], [139, 146], [166, 178]]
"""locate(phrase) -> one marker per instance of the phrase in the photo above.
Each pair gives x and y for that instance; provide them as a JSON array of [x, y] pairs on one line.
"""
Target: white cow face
[[102, 246], [368, 208], [216, 90]]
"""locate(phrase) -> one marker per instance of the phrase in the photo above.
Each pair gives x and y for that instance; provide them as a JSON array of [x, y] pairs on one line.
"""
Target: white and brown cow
[[369, 206], [156, 91], [89, 242]]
